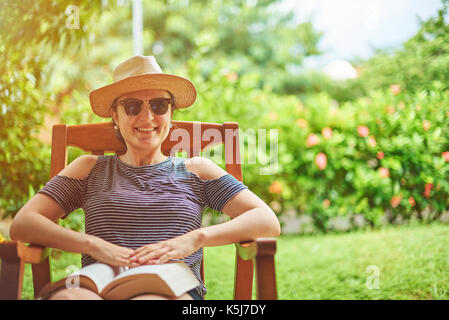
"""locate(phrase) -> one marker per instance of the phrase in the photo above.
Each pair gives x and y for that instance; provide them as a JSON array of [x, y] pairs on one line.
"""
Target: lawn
[[391, 263]]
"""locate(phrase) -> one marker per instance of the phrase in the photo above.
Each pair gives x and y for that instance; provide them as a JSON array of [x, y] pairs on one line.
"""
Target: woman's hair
[[118, 134]]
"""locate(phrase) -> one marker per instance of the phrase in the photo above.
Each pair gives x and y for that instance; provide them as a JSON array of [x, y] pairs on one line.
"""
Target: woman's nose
[[146, 112]]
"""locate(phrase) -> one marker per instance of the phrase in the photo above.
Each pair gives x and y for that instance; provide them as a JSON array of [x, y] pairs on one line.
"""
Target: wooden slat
[[183, 137], [232, 150], [58, 149], [12, 269], [192, 137], [265, 269], [41, 275], [94, 137], [243, 281]]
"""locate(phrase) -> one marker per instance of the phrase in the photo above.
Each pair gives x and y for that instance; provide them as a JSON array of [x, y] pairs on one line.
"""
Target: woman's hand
[[163, 251], [109, 253]]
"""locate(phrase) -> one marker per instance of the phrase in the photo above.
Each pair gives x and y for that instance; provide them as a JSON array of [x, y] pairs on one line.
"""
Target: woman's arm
[[251, 218], [36, 223]]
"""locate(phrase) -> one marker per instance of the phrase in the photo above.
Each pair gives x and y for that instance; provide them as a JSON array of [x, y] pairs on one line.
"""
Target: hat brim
[[182, 89]]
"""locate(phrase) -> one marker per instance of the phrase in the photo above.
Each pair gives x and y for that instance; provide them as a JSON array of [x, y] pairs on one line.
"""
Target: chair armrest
[[28, 253]]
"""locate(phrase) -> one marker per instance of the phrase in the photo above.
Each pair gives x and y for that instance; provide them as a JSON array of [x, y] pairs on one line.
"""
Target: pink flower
[[380, 155], [275, 187], [326, 203], [301, 123], [390, 110], [327, 133], [312, 140], [321, 160], [426, 124], [384, 172], [427, 188], [232, 76], [395, 201], [372, 141], [411, 201], [395, 89], [446, 156], [273, 116], [363, 131]]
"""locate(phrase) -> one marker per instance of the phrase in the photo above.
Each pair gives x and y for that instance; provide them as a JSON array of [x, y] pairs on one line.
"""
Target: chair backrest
[[190, 137]]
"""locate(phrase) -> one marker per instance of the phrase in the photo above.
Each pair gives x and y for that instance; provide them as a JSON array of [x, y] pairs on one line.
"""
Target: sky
[[352, 28]]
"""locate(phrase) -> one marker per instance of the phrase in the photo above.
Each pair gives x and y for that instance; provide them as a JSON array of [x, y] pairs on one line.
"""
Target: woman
[[142, 207]]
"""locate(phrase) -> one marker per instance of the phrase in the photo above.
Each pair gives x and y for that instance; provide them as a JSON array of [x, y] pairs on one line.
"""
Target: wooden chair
[[185, 136]]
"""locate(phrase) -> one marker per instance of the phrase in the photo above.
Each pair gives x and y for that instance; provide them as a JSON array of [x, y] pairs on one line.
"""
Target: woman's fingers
[[152, 255], [156, 256], [151, 250]]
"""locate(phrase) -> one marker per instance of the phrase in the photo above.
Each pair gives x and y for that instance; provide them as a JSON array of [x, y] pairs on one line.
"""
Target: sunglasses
[[159, 106]]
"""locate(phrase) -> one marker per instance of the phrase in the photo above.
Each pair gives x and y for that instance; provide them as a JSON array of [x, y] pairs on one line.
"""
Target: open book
[[119, 283]]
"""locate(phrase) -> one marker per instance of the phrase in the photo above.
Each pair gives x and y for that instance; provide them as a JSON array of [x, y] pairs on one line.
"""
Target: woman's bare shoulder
[[80, 167], [204, 168]]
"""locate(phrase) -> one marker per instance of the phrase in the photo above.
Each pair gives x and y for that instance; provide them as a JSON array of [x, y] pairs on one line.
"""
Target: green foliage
[[32, 33], [421, 60], [256, 34], [403, 134]]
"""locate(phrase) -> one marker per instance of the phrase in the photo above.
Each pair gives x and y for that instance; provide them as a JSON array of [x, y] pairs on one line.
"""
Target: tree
[[31, 32], [422, 60]]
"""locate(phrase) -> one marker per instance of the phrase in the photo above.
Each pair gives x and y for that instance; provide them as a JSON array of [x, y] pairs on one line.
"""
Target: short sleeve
[[217, 192], [66, 191]]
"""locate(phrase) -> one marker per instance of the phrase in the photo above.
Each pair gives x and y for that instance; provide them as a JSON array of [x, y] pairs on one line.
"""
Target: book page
[[175, 277], [101, 274], [154, 268]]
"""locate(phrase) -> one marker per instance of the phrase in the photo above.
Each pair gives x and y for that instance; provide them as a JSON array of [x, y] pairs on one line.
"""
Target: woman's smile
[[147, 130]]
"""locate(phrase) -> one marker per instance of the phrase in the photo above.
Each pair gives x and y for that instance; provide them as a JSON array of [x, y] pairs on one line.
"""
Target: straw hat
[[141, 73]]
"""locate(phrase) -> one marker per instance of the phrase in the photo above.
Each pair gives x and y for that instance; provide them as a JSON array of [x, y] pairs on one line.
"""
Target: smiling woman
[[143, 121], [142, 207]]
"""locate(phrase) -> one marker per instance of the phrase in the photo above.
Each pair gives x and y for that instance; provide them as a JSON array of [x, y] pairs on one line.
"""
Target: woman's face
[[135, 129]]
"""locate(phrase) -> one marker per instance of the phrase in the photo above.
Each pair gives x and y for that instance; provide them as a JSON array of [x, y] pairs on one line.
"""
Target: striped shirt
[[132, 206]]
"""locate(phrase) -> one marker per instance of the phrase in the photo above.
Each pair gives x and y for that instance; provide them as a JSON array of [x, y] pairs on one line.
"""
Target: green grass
[[412, 263]]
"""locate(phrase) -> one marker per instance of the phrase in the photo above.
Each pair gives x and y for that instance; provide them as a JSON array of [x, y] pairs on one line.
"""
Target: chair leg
[[265, 270], [41, 275], [243, 285], [11, 279], [266, 278]]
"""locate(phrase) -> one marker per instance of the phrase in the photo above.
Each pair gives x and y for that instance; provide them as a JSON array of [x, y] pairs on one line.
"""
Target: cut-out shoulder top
[[132, 206]]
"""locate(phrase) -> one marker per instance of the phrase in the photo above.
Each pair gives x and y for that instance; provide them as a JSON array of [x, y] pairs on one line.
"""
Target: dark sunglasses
[[159, 106]]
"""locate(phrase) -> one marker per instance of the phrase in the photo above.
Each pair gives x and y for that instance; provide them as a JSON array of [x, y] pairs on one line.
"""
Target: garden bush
[[383, 157]]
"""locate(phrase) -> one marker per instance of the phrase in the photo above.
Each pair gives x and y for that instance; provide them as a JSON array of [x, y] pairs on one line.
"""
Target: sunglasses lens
[[132, 107], [159, 106]]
